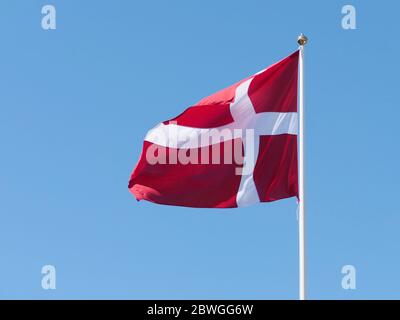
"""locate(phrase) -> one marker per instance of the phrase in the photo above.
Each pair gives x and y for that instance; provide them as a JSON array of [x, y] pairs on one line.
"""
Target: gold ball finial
[[302, 40]]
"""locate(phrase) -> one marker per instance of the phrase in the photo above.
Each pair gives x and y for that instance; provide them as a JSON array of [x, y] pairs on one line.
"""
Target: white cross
[[245, 118]]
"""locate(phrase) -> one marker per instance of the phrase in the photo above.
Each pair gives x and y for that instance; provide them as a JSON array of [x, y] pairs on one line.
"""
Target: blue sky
[[75, 105]]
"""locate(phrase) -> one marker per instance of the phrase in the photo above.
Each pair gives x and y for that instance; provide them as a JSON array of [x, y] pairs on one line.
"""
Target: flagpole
[[302, 41]]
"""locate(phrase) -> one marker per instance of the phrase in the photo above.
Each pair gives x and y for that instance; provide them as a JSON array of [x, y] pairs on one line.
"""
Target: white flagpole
[[302, 40]]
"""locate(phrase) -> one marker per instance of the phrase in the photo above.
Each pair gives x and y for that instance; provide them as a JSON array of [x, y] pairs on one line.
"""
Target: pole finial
[[302, 39]]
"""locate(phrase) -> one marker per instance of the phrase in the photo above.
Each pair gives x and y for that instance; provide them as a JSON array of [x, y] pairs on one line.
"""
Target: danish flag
[[183, 164]]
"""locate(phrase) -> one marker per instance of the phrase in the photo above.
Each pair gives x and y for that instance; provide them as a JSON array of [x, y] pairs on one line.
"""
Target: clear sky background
[[76, 103]]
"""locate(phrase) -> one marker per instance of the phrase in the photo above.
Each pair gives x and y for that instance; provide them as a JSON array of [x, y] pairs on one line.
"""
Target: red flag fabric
[[234, 148]]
